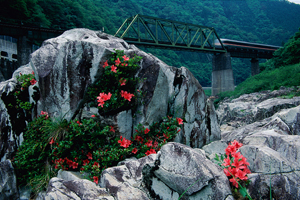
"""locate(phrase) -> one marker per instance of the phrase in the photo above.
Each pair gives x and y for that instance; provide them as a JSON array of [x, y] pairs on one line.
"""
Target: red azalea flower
[[96, 164], [124, 143], [146, 130], [113, 69], [234, 183], [74, 165], [236, 144], [33, 81], [230, 149], [52, 141], [122, 81], [117, 61], [179, 120], [126, 95], [134, 150], [112, 129], [96, 179], [139, 139], [85, 162], [93, 115], [103, 97], [32, 72], [89, 155], [151, 151], [149, 143], [125, 58], [155, 144], [105, 64]]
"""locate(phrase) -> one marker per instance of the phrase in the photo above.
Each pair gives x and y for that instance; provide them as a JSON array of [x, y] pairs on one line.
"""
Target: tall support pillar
[[254, 66], [222, 74], [24, 50]]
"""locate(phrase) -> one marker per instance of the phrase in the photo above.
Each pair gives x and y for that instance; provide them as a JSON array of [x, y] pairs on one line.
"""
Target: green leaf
[[243, 191]]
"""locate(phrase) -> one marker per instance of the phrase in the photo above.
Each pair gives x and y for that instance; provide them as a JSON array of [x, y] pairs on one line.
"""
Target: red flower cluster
[[69, 162], [33, 81], [103, 97], [45, 113], [151, 151], [126, 95], [238, 168], [124, 143]]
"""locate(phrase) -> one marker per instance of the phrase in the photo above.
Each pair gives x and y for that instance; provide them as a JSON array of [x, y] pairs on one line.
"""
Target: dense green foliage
[[269, 21]]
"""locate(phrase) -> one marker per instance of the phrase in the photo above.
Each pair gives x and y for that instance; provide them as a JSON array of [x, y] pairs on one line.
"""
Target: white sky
[[295, 1]]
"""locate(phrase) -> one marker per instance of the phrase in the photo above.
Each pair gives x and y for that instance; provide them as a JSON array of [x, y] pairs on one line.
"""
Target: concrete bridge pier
[[24, 50], [222, 74], [254, 66]]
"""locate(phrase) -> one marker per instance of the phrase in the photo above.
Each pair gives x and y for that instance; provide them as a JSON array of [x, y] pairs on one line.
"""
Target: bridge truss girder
[[151, 31]]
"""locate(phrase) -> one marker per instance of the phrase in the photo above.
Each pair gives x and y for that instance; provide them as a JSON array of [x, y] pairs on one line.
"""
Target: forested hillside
[[269, 21]]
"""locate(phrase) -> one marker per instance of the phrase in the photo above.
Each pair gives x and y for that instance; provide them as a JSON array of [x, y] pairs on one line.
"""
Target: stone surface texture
[[8, 182]]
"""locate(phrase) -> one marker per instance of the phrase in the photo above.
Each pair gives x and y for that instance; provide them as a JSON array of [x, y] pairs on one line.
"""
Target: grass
[[286, 76]]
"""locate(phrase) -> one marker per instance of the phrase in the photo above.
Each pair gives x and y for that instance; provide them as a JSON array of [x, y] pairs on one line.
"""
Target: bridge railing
[[151, 31]]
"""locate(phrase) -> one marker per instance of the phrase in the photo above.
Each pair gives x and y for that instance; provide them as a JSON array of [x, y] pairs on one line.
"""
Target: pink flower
[[125, 58], [155, 144], [117, 61], [96, 179], [93, 115], [114, 68], [151, 151], [126, 95], [32, 72], [78, 122], [134, 150], [122, 81], [105, 64], [33, 81], [179, 120]]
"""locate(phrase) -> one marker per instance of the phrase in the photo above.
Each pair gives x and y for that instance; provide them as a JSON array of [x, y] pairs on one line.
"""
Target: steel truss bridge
[[163, 33]]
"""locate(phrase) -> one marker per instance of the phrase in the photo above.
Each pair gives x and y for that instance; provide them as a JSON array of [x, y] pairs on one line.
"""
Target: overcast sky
[[295, 1]]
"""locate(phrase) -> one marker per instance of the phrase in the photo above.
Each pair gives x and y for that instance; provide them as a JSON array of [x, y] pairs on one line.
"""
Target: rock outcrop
[[67, 65], [163, 176], [249, 108], [270, 144]]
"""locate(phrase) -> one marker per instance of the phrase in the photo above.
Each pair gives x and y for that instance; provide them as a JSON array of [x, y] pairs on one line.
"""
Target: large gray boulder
[[65, 66], [74, 189], [167, 175]]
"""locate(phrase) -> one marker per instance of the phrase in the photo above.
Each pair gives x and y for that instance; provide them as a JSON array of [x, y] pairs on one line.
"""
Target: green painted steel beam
[[168, 33]]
